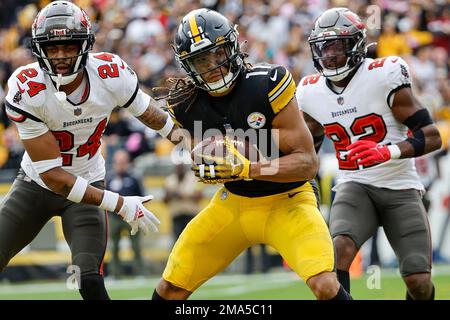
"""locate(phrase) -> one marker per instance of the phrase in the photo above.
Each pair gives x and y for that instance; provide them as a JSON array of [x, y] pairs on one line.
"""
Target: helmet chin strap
[[63, 80], [337, 77], [371, 45], [60, 81], [217, 84]]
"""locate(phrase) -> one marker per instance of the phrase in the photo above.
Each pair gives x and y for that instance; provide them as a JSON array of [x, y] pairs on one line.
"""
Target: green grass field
[[279, 285]]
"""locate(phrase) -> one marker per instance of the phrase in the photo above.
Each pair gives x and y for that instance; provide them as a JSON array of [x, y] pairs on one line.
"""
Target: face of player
[[62, 57], [332, 53], [212, 65]]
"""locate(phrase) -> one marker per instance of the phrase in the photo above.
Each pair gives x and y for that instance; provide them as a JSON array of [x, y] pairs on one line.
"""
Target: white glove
[[137, 216]]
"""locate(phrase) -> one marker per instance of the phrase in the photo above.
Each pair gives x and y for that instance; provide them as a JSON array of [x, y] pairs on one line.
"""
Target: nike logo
[[291, 195], [123, 65], [20, 89], [274, 76], [394, 60]]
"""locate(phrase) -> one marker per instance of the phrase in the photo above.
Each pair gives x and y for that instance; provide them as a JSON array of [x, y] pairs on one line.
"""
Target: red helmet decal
[[84, 20], [39, 19], [355, 20]]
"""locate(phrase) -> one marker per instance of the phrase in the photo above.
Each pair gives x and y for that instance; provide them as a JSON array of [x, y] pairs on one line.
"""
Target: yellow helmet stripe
[[194, 28]]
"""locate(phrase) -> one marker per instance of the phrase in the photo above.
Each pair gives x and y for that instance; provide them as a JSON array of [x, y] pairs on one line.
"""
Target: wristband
[[395, 151], [109, 201], [164, 131]]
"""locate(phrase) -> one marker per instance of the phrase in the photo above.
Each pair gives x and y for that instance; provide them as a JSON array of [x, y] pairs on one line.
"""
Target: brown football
[[215, 146]]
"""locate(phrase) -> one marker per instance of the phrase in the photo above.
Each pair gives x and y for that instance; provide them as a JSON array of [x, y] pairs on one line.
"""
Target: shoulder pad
[[393, 72], [27, 86], [385, 64], [306, 87], [309, 80], [281, 88], [114, 75], [112, 69]]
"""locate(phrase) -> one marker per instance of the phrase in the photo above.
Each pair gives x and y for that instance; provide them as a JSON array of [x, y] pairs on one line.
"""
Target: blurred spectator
[[15, 148], [250, 266], [121, 181], [443, 230], [424, 69], [182, 195], [390, 42], [427, 167]]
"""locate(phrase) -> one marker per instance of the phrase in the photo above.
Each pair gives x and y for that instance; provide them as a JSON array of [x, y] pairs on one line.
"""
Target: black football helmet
[[62, 22], [338, 43], [202, 32]]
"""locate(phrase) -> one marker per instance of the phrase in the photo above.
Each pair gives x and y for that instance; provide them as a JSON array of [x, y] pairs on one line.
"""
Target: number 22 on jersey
[[369, 127]]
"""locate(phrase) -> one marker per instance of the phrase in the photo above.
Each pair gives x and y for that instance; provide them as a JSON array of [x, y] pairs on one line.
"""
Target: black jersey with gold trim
[[259, 94]]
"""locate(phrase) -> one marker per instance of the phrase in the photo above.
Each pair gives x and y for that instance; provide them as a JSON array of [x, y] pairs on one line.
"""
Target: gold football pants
[[290, 222]]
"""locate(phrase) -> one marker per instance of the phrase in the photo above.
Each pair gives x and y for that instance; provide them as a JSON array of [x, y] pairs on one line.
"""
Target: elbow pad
[[418, 120], [415, 123]]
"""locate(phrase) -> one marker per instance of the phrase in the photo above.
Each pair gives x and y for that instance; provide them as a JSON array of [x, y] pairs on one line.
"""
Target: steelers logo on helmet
[[206, 46], [338, 43], [62, 23]]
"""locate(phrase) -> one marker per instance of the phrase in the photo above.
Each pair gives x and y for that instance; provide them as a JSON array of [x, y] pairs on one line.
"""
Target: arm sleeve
[[28, 129], [281, 88], [129, 95]]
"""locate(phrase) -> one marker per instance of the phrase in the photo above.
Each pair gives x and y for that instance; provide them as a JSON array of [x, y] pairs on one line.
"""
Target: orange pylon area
[[286, 266], [356, 269]]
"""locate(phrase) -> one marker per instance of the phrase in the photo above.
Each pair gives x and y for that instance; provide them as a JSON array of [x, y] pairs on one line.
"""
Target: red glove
[[367, 152], [446, 201]]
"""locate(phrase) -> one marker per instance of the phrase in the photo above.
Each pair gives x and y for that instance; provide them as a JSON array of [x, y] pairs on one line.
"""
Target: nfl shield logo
[[340, 100], [224, 195], [77, 111]]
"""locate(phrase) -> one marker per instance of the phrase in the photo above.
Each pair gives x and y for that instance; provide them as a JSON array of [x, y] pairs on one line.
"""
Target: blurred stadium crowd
[[141, 31]]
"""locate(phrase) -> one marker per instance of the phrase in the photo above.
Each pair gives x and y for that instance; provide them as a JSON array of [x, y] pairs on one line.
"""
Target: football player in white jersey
[[61, 106], [366, 107]]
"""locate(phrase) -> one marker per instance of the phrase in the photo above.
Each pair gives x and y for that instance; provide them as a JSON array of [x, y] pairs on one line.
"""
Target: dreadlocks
[[180, 91]]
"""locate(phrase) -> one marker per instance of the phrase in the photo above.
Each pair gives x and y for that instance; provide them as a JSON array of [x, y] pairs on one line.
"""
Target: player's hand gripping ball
[[220, 159]]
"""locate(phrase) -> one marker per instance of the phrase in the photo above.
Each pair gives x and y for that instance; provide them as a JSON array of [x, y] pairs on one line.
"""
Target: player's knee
[[415, 264], [92, 287], [345, 251], [325, 286], [168, 291], [419, 285]]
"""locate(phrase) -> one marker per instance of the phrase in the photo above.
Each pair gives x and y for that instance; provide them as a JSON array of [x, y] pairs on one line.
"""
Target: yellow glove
[[215, 169]]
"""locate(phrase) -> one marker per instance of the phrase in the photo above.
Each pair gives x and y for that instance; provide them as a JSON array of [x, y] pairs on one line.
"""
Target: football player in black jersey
[[277, 207]]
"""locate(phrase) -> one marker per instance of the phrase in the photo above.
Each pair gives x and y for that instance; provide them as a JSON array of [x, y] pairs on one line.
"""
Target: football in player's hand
[[215, 147]]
